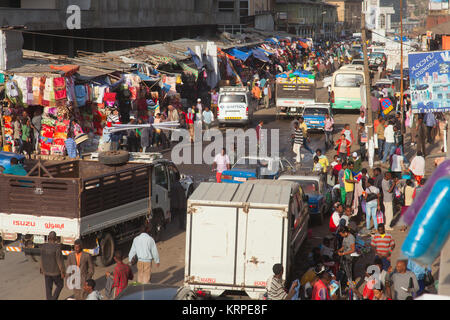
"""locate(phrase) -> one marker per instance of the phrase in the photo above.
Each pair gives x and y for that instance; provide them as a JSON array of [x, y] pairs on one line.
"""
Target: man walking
[[403, 282], [349, 183], [208, 118], [380, 137], [342, 182], [298, 142], [144, 247], [122, 274], [389, 147], [421, 135], [329, 125], [430, 122], [36, 125], [52, 267], [383, 244], [83, 261], [220, 164], [388, 189], [302, 125]]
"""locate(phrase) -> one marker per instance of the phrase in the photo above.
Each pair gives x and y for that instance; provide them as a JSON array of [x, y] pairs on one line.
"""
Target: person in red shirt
[[320, 290], [122, 274]]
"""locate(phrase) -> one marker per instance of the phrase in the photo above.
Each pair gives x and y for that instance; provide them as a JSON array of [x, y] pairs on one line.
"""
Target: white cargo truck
[[235, 106], [237, 232]]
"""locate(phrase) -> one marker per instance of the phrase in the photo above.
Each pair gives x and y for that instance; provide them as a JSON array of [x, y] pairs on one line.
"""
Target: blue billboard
[[429, 76]]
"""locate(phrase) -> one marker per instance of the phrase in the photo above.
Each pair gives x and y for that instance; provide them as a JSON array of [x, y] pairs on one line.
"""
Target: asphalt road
[[20, 277]]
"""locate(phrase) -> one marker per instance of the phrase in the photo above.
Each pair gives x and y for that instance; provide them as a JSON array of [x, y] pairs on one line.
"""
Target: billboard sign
[[438, 4], [429, 75]]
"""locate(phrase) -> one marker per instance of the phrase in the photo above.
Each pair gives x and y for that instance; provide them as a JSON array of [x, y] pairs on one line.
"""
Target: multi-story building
[[234, 15], [349, 14], [307, 18], [396, 5], [126, 20], [380, 16]]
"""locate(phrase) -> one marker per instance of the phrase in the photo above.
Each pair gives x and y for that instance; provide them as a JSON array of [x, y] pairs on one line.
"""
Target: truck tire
[[320, 217], [114, 157], [107, 247], [157, 225]]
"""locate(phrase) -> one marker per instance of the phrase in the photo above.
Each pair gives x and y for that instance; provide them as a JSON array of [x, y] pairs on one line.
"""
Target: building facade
[[130, 20], [349, 15], [380, 19], [308, 19]]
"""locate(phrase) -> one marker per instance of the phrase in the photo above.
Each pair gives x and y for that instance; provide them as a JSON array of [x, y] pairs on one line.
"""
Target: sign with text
[[429, 74]]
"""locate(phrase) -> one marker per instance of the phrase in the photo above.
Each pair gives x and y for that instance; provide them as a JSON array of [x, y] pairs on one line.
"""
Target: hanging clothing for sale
[[80, 92]]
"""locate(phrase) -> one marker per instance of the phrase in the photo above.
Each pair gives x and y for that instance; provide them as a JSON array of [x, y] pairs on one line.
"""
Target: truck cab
[[235, 106], [318, 192], [314, 115]]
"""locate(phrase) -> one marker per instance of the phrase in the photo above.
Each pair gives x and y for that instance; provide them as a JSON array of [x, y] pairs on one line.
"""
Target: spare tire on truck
[[114, 157]]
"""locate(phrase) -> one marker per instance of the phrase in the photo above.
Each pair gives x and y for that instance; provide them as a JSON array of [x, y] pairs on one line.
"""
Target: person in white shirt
[[389, 147], [92, 294], [417, 166], [199, 105], [361, 119], [397, 163], [221, 163], [336, 217]]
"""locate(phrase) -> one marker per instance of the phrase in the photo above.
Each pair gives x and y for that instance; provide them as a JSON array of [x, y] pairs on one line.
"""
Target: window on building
[[9, 3], [382, 21], [244, 8], [226, 5]]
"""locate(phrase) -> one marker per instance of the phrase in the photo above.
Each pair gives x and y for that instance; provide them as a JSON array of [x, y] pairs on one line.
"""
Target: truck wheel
[[114, 157], [157, 225], [107, 247], [320, 217]]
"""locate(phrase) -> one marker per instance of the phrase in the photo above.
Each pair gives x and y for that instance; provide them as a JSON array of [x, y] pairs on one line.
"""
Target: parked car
[[5, 159], [319, 194], [255, 167], [314, 115], [358, 61], [377, 59]]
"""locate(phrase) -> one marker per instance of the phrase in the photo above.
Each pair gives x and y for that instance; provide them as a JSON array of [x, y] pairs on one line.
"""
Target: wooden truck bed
[[72, 189]]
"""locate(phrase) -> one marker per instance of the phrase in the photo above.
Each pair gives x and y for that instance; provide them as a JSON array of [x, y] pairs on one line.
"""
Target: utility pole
[[367, 77], [401, 66]]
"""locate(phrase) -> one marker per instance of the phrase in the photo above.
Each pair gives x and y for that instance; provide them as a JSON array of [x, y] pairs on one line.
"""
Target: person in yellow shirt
[[349, 185], [323, 160], [302, 125]]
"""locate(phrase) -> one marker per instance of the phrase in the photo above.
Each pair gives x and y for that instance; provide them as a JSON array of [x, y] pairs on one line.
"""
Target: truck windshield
[[265, 167], [235, 98], [348, 80], [309, 186], [315, 111]]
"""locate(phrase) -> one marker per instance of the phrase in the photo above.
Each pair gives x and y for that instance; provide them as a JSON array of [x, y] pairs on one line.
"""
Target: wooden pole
[[401, 66], [367, 83]]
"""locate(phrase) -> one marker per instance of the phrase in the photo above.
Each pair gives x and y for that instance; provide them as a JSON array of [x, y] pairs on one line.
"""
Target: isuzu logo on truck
[[24, 223]]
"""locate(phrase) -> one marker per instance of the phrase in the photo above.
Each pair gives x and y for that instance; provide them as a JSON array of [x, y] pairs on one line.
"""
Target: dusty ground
[[20, 278]]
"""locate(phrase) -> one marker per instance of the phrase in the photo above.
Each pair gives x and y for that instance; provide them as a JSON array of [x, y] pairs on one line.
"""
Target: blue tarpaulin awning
[[271, 40], [241, 55], [260, 55], [264, 51], [198, 62], [145, 77]]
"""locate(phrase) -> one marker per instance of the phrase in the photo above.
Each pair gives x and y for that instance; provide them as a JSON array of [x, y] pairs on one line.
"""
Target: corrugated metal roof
[[271, 192]]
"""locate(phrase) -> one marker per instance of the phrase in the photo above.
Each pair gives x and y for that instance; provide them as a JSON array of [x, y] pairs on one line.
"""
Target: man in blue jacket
[[144, 248]]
